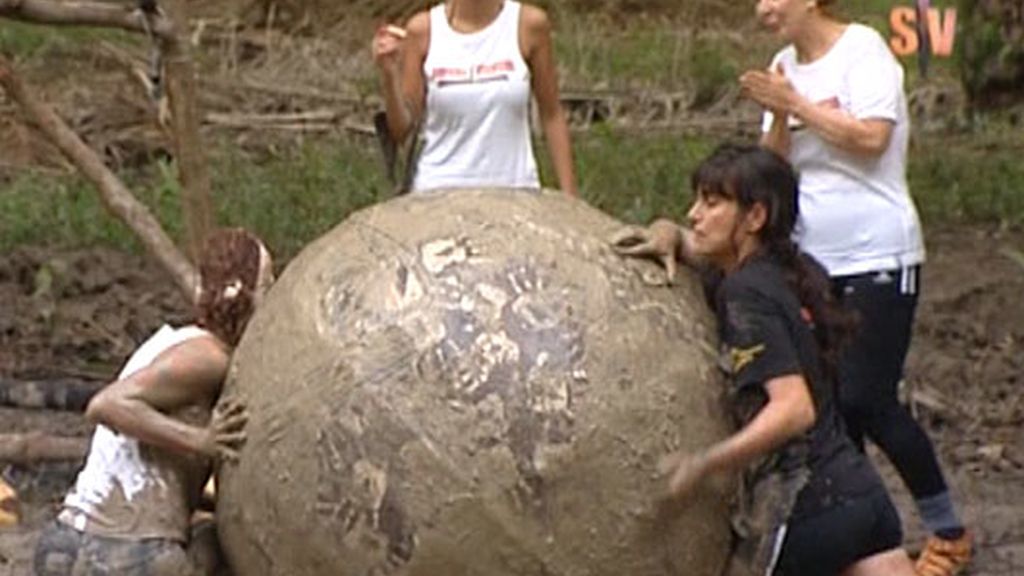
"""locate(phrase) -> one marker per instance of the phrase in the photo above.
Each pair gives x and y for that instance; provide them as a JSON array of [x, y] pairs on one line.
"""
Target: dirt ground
[[78, 314]]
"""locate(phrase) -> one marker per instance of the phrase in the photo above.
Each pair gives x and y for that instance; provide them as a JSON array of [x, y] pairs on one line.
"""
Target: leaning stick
[[115, 195]]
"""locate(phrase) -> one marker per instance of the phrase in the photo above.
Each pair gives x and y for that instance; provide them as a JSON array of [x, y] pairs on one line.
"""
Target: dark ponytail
[[833, 323], [754, 175]]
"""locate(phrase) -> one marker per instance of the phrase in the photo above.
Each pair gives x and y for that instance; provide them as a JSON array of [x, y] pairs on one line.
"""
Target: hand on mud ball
[[687, 472], [225, 435], [661, 241]]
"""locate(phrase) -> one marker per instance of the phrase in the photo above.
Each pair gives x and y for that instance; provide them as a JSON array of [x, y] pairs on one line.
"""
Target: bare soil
[[80, 313]]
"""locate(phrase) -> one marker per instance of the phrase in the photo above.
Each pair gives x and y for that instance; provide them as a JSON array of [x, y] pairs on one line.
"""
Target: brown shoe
[[944, 557]]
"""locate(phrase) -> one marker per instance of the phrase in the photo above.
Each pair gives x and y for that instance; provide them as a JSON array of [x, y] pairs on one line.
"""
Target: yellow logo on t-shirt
[[742, 356]]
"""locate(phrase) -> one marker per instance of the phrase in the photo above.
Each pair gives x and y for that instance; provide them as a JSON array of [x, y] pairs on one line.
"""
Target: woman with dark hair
[[157, 435], [835, 107], [810, 502]]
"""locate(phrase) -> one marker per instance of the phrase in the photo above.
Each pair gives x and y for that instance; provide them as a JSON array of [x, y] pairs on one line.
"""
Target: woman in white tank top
[[465, 71]]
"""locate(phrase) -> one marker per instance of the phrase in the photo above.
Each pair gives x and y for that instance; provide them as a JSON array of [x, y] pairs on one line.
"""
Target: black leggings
[[871, 369], [828, 543]]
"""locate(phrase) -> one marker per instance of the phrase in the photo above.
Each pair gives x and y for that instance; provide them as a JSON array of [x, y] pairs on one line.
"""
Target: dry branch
[[118, 199], [258, 120], [36, 447], [311, 121], [299, 92], [82, 14]]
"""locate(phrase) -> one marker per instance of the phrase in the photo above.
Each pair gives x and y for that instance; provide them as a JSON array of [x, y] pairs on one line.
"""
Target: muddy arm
[[188, 374]]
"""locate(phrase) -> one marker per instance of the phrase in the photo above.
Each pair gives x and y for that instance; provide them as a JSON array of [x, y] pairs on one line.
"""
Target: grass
[[288, 199], [297, 194], [972, 178], [35, 42]]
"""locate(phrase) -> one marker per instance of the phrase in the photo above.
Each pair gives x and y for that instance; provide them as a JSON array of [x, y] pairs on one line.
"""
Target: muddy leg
[[57, 551], [204, 549]]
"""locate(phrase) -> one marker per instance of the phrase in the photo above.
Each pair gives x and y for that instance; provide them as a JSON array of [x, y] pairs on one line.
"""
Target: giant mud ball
[[472, 383]]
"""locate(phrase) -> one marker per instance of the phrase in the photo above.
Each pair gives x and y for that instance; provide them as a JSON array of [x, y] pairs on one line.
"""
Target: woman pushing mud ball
[[129, 512], [810, 502], [835, 106]]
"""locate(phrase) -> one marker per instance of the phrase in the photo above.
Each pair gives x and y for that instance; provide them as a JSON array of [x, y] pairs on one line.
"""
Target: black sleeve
[[755, 337]]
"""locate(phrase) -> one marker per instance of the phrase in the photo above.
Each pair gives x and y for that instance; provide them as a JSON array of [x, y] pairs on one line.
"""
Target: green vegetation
[[973, 178], [644, 55], [28, 41], [296, 195], [289, 199]]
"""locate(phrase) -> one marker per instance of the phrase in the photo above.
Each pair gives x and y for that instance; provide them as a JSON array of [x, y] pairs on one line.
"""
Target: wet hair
[[755, 175], [229, 271]]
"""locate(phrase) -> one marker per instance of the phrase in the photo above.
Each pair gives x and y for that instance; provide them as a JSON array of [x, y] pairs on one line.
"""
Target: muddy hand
[[226, 432], [686, 470], [660, 241]]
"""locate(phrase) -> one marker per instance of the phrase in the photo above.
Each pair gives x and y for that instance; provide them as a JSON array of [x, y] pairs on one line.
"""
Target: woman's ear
[[755, 219]]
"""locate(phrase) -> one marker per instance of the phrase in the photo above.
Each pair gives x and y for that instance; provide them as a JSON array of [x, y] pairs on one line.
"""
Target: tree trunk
[[188, 148]]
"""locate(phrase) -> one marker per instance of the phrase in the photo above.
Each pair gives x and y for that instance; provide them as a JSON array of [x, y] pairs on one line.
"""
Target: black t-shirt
[[765, 333]]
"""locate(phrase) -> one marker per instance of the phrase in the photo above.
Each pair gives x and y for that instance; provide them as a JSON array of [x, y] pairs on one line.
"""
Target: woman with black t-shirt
[[811, 504]]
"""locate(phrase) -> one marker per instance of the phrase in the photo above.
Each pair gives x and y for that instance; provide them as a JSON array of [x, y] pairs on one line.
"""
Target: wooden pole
[[193, 175]]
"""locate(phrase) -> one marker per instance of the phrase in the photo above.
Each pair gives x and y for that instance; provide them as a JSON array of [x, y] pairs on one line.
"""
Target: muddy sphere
[[473, 383]]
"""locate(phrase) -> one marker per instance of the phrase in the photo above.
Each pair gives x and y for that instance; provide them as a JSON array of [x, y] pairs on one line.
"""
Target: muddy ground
[[79, 314]]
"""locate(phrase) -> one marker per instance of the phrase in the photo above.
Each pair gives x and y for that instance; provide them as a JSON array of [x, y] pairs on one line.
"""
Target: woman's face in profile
[[714, 220]]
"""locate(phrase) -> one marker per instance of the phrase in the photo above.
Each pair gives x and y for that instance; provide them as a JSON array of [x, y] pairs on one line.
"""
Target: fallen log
[[36, 447], [59, 394]]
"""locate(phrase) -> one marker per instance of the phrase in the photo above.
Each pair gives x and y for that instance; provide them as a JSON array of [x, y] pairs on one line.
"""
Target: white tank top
[[128, 489], [477, 120]]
